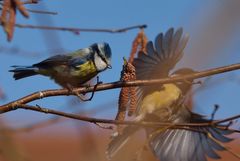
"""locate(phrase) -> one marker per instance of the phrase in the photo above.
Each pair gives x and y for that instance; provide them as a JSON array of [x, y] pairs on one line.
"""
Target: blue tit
[[165, 103], [73, 69]]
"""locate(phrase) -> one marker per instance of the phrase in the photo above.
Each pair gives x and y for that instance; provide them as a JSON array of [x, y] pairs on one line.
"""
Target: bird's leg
[[94, 89], [81, 97]]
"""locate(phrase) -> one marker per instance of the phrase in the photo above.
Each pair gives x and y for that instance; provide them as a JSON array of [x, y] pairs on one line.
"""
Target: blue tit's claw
[[93, 92], [98, 81], [80, 96]]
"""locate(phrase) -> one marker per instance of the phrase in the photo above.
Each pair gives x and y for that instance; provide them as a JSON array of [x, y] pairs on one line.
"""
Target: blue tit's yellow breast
[[84, 70], [160, 99], [75, 76]]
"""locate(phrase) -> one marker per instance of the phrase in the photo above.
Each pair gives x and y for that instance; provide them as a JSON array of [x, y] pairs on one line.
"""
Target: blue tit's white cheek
[[99, 63]]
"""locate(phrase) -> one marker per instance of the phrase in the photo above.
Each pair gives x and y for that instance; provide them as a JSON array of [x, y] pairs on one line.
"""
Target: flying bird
[[165, 103]]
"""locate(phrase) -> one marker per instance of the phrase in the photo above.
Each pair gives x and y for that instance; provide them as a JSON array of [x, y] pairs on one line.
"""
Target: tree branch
[[117, 122], [59, 92], [78, 30]]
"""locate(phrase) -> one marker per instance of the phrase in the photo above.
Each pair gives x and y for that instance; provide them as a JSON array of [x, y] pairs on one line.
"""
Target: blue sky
[[195, 17]]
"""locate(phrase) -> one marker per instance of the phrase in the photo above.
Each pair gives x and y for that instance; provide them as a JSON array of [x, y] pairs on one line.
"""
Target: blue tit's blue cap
[[103, 49]]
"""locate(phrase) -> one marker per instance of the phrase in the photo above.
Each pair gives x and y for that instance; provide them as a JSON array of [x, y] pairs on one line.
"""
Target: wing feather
[[158, 61], [189, 145]]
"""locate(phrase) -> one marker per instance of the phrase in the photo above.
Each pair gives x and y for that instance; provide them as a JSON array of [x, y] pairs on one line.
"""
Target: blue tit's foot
[[98, 81], [80, 96], [94, 89]]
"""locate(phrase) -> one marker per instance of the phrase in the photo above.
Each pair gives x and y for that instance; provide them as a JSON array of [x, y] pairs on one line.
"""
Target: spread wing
[[190, 145], [162, 58], [159, 60]]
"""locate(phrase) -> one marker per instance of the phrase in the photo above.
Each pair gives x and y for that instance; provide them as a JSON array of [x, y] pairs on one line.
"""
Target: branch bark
[[59, 92], [78, 30], [215, 123]]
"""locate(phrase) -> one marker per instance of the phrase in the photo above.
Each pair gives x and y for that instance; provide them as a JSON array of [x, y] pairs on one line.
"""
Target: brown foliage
[[138, 45], [8, 16]]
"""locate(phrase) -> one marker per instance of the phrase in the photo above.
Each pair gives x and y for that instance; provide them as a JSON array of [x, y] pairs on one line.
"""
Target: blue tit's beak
[[109, 66]]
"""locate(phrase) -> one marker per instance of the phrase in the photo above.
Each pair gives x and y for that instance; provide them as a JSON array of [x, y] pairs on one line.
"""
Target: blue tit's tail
[[189, 145], [119, 141], [23, 71]]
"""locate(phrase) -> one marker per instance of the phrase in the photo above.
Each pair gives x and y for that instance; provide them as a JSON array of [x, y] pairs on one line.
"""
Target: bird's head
[[186, 84], [102, 55]]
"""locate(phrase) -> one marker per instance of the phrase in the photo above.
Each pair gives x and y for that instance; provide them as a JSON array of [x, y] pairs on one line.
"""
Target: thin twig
[[78, 30], [227, 119], [59, 92], [30, 2], [42, 12]]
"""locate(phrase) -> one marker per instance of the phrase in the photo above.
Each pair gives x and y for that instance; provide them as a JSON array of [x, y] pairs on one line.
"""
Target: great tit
[[73, 69], [165, 103]]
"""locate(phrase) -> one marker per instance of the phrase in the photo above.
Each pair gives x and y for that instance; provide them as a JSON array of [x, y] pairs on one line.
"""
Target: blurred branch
[[78, 30], [42, 12], [30, 2], [138, 45], [59, 92], [8, 15]]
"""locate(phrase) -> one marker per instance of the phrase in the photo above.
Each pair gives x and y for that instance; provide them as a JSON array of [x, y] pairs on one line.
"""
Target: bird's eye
[[105, 60]]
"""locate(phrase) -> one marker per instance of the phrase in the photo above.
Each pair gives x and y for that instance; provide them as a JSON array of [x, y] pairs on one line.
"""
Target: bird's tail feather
[[119, 141], [23, 71]]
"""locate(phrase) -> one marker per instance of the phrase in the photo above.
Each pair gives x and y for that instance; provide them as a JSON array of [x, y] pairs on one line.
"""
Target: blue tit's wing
[[53, 61], [189, 145], [73, 59], [159, 60], [81, 56]]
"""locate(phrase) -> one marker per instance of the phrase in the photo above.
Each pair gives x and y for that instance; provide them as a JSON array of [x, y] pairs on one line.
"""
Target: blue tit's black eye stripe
[[96, 49]]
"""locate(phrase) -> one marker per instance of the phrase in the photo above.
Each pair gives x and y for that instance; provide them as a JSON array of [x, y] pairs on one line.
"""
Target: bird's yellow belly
[[160, 99], [74, 76]]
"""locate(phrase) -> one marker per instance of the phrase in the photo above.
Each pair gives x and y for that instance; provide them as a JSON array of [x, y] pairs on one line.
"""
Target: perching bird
[[165, 103], [73, 69]]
